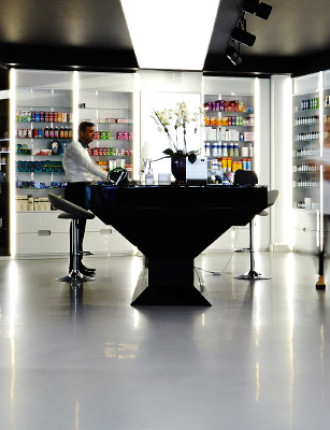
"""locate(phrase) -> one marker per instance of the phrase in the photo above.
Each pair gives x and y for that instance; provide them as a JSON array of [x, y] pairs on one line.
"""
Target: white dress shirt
[[78, 165]]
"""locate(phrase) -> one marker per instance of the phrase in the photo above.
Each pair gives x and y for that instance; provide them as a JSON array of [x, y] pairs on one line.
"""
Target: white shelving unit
[[112, 113], [229, 132], [49, 106], [306, 178], [251, 112]]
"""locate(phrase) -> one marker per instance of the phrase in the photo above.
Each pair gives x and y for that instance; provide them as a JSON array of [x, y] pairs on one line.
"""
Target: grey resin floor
[[259, 358]]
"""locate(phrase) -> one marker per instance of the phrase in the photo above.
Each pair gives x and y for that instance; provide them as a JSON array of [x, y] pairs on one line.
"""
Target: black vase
[[178, 168]]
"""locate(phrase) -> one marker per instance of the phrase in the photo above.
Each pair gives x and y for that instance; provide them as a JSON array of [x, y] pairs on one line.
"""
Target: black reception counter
[[172, 225]]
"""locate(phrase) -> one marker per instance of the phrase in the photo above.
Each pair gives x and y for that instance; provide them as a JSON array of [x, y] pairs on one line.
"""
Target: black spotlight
[[250, 6], [262, 10], [243, 36], [233, 55]]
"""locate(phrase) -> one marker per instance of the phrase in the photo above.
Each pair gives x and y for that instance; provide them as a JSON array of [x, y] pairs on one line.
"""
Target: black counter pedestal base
[[176, 295]]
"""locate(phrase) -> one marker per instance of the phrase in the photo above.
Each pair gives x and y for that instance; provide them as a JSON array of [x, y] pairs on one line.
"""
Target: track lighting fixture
[[239, 34], [242, 36], [262, 10], [233, 55]]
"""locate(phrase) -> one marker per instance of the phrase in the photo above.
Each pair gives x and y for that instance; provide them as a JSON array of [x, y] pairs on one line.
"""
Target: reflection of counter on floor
[[172, 225]]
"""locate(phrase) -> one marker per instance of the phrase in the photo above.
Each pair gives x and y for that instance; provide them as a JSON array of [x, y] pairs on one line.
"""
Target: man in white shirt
[[80, 171]]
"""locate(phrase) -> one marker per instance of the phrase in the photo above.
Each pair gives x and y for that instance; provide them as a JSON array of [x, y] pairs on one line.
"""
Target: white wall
[[281, 161], [159, 90]]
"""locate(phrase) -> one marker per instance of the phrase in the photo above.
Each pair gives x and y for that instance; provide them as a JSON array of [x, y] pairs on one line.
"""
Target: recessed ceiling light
[[173, 35]]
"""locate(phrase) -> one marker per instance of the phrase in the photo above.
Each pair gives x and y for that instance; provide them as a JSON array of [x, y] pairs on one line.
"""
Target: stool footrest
[[75, 276]]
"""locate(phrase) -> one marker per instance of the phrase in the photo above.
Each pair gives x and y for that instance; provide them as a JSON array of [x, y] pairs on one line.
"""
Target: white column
[[281, 161]]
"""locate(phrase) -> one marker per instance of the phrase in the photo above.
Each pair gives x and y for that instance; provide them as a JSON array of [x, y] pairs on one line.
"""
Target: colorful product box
[[249, 136]]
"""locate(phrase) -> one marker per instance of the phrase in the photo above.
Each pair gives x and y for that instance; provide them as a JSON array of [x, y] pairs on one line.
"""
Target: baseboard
[[278, 247]]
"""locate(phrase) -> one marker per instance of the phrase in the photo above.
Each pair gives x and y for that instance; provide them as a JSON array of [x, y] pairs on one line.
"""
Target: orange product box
[[224, 163]]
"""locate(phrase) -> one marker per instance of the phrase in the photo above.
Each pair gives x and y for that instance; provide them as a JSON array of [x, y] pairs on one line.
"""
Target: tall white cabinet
[[311, 120], [48, 108], [238, 122]]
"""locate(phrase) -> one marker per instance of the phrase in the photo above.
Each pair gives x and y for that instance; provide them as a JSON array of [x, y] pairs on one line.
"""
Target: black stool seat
[[73, 212], [71, 209], [65, 215]]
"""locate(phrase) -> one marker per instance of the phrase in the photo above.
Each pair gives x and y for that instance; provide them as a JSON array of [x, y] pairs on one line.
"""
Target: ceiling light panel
[[174, 34]]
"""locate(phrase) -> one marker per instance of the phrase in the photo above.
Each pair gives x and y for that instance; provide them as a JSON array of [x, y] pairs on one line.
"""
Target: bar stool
[[248, 177], [73, 212]]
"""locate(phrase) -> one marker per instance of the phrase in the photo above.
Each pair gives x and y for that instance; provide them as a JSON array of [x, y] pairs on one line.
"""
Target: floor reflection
[[76, 300], [257, 358]]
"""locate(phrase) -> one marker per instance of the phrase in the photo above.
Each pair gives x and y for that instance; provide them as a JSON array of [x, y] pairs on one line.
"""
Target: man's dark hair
[[85, 124]]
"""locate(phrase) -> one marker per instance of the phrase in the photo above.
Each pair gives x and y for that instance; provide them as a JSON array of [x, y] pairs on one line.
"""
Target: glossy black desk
[[171, 225]]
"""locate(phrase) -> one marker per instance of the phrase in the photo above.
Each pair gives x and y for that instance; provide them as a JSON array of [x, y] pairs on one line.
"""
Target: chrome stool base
[[253, 275]]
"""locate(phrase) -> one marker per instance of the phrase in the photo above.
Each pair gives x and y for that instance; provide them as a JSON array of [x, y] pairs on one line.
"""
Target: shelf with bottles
[[39, 126], [231, 149], [326, 100], [117, 116], [307, 103], [306, 194], [110, 122], [4, 159], [43, 147], [37, 185], [306, 120], [229, 105], [44, 133], [229, 121], [109, 163], [306, 127], [117, 135], [111, 154], [307, 150], [326, 120], [228, 112], [114, 111], [40, 167], [307, 197], [306, 168], [229, 164], [42, 114], [38, 155], [310, 136], [222, 134]]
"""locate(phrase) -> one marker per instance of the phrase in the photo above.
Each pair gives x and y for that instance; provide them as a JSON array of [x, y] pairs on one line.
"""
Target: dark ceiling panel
[[78, 23], [294, 28], [295, 39], [93, 34], [90, 34]]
